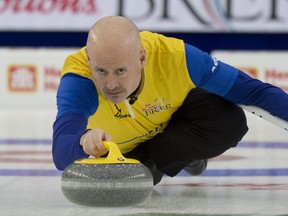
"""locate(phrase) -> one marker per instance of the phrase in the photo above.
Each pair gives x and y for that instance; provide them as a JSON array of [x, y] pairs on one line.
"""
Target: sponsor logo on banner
[[45, 7], [155, 15], [277, 77], [251, 71], [22, 78], [51, 78], [31, 76]]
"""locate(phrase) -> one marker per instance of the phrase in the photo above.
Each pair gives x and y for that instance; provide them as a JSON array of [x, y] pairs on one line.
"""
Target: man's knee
[[220, 124], [236, 126], [232, 128]]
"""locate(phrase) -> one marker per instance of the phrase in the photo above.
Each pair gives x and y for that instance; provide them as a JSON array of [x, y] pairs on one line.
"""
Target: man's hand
[[91, 142]]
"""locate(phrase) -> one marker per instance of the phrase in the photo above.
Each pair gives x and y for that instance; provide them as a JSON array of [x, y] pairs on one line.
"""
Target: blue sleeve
[[76, 94], [233, 84], [249, 91], [67, 131], [77, 99], [208, 73]]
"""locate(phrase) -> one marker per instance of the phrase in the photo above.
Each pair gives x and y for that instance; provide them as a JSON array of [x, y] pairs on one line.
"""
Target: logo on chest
[[158, 106], [149, 109], [119, 113]]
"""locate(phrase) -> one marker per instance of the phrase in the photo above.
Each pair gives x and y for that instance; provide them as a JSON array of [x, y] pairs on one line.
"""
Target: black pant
[[205, 126]]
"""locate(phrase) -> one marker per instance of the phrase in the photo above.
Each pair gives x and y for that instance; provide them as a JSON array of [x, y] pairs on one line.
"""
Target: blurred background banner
[[155, 15], [30, 77]]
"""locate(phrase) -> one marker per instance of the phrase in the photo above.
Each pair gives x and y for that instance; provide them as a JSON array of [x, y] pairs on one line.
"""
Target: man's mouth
[[113, 93]]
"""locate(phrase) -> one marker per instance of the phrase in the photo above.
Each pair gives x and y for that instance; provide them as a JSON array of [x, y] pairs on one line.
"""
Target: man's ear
[[142, 57], [88, 59]]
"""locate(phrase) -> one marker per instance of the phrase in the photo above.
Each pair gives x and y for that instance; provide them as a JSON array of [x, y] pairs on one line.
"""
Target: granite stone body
[[107, 185]]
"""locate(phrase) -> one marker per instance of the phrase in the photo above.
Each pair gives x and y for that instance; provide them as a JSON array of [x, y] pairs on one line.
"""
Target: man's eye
[[101, 72], [121, 71]]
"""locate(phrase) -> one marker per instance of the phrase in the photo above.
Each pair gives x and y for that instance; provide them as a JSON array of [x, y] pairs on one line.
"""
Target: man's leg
[[141, 153], [205, 126]]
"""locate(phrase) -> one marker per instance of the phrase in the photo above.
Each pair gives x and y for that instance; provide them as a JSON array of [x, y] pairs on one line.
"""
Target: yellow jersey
[[166, 86]]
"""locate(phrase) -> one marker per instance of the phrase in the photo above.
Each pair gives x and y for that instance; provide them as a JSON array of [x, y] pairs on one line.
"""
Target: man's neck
[[134, 96]]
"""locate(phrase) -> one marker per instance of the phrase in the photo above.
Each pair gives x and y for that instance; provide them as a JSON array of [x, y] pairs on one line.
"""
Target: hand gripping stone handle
[[114, 156]]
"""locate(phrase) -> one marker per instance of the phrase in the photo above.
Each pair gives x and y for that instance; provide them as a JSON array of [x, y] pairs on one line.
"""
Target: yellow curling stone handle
[[114, 156]]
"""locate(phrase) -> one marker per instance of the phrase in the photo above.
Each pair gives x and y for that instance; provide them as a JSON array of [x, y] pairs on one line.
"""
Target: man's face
[[116, 73]]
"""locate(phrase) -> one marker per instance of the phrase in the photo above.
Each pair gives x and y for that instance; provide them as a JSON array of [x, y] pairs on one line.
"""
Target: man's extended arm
[[77, 99], [233, 84]]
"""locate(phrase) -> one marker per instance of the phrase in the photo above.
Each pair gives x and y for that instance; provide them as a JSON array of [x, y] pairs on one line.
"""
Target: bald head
[[115, 57], [112, 32]]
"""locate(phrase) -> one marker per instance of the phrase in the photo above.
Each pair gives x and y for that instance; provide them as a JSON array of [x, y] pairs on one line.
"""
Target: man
[[164, 102]]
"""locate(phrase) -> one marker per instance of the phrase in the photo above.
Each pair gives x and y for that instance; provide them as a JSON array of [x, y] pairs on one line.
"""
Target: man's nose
[[111, 82]]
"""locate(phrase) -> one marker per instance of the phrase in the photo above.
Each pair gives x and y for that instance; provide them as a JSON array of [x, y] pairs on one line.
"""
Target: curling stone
[[113, 181]]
